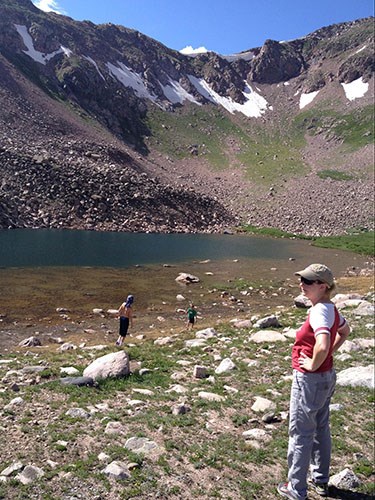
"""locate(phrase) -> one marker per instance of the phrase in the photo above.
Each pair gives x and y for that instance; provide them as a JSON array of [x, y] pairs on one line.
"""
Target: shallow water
[[29, 293], [29, 296]]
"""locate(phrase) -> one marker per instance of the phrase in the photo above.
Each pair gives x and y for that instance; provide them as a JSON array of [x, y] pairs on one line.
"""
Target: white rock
[[30, 342], [195, 343], [117, 469], [346, 480], [14, 467], [343, 357], [263, 404], [342, 304], [207, 333], [180, 389], [115, 364], [146, 392], [225, 366], [362, 376], [143, 445], [97, 311], [258, 435], [163, 341], [69, 370], [231, 390], [244, 323], [302, 301], [136, 402], [114, 428], [30, 474], [341, 297], [336, 407], [267, 322], [183, 362], [187, 278], [14, 402], [290, 333], [349, 346], [210, 396], [365, 343], [267, 336], [67, 346], [77, 413]]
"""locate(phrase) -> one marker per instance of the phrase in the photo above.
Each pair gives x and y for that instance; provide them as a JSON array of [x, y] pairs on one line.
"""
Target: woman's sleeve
[[322, 318]]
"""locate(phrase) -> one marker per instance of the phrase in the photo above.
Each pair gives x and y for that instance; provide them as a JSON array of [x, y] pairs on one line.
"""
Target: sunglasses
[[307, 282]]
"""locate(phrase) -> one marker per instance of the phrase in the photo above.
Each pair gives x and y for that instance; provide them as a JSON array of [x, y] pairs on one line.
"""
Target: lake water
[[42, 270], [31, 248]]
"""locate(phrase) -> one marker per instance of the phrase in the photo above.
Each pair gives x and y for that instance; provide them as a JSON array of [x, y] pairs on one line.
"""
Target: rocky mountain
[[102, 127]]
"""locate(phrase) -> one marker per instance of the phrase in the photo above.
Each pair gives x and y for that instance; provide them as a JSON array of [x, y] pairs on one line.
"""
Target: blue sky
[[219, 25]]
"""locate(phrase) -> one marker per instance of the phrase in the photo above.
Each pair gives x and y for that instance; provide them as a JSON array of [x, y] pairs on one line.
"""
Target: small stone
[[200, 372]]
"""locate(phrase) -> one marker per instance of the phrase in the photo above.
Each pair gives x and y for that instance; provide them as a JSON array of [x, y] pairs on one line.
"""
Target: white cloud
[[189, 50], [49, 6]]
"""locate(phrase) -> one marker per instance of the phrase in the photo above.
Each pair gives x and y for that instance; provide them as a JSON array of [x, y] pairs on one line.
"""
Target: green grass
[[356, 240], [225, 141], [361, 242], [334, 175], [354, 129]]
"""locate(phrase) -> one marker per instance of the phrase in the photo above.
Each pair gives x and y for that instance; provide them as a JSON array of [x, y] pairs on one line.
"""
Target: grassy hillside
[[266, 153]]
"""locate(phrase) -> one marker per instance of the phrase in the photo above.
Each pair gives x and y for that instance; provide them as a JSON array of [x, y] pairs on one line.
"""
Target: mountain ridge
[[111, 82]]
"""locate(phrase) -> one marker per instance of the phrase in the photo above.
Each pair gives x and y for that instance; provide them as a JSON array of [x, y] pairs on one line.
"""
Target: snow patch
[[305, 99], [94, 64], [246, 56], [130, 78], [355, 89], [37, 56], [175, 93], [254, 106], [360, 50], [66, 51]]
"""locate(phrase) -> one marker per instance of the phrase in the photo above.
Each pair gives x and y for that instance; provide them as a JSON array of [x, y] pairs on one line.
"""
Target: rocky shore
[[176, 414]]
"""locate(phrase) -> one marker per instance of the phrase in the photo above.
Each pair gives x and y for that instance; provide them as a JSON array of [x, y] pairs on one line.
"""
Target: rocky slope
[[81, 147]]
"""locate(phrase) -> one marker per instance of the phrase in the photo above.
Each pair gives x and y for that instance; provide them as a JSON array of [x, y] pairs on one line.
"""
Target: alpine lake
[[52, 280]]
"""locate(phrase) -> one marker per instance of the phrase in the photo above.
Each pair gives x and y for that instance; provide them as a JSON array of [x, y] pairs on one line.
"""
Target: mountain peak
[[106, 102]]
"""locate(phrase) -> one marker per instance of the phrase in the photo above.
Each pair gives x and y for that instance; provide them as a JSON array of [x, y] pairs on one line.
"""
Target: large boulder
[[115, 364], [187, 278], [267, 322], [267, 336], [362, 376]]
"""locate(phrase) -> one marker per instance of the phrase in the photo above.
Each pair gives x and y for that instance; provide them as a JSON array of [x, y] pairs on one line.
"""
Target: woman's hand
[[305, 362]]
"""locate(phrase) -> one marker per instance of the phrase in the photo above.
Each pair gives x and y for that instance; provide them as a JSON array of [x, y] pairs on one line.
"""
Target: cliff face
[[67, 82]]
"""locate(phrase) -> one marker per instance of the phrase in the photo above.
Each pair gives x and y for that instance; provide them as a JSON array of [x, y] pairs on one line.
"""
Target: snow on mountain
[[355, 89]]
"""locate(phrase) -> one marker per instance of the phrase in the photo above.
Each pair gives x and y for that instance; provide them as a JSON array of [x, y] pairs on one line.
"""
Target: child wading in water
[[192, 314], [126, 317]]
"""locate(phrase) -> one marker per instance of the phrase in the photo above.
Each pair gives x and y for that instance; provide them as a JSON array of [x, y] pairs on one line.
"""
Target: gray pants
[[309, 433]]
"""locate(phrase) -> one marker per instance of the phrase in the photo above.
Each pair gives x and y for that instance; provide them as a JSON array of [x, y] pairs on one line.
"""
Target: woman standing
[[314, 379], [126, 317]]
